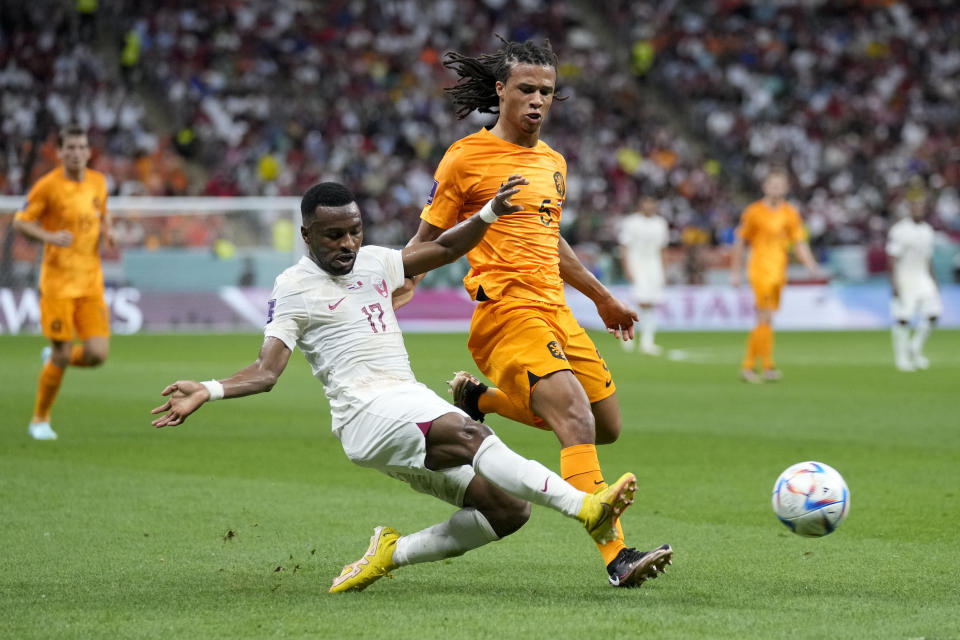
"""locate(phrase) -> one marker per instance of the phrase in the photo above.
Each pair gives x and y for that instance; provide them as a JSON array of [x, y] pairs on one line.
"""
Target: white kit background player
[[915, 293], [643, 236], [335, 306]]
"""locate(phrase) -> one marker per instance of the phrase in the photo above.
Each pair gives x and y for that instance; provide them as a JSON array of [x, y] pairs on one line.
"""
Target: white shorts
[[647, 286], [388, 435], [647, 292], [919, 298]]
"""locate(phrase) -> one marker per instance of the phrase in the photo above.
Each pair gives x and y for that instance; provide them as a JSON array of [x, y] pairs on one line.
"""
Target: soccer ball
[[811, 499]]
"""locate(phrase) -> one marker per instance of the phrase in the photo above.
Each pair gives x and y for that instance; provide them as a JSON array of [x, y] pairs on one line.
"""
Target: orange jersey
[[519, 255], [60, 204], [770, 233]]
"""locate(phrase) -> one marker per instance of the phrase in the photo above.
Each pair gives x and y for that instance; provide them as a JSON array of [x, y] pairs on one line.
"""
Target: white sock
[[920, 334], [648, 326], [465, 530], [901, 342], [525, 479]]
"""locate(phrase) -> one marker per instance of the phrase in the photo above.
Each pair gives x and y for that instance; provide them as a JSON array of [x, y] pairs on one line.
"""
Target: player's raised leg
[[452, 439], [477, 399], [494, 504]]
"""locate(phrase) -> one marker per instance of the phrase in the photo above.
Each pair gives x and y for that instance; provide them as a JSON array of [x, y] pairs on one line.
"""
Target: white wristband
[[487, 214], [215, 389]]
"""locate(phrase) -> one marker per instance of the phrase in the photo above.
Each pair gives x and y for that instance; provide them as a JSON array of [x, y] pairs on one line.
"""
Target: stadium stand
[[857, 98], [267, 97]]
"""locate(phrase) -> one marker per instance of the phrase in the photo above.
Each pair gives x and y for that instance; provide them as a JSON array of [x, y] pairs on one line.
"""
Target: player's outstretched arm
[[35, 231], [457, 240], [736, 260], [802, 249], [107, 233], [617, 316], [186, 396]]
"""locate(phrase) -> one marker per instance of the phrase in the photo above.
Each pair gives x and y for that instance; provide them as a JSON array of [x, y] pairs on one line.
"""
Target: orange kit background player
[[67, 210], [770, 226], [523, 336]]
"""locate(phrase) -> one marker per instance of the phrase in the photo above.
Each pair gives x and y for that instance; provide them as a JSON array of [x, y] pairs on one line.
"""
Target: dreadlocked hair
[[476, 86]]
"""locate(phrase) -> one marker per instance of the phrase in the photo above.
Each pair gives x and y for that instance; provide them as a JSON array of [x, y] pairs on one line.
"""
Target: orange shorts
[[515, 342], [767, 294], [61, 317]]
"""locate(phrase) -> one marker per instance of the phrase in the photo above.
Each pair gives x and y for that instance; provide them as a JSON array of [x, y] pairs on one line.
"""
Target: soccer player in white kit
[[643, 236], [915, 292], [335, 306]]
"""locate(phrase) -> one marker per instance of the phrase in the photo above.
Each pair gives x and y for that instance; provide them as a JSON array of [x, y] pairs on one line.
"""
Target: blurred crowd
[[275, 96], [266, 97], [53, 70], [857, 97]]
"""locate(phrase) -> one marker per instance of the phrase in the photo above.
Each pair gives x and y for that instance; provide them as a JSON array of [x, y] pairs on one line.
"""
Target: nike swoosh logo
[[337, 304], [608, 382], [598, 482], [545, 485]]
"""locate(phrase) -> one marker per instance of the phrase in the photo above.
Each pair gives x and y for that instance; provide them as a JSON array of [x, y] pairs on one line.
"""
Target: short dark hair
[[476, 87], [324, 194], [70, 131]]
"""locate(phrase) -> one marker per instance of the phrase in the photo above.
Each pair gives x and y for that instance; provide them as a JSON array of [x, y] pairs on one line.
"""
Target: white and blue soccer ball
[[811, 499]]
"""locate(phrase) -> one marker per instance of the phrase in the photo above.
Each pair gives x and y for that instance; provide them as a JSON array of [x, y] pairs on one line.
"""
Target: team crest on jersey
[[559, 184], [96, 202], [381, 287], [556, 351], [433, 192], [356, 285]]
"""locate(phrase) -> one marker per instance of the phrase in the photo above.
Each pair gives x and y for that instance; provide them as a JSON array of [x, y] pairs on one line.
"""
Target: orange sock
[[765, 350], [496, 401], [47, 387], [750, 359], [580, 467]]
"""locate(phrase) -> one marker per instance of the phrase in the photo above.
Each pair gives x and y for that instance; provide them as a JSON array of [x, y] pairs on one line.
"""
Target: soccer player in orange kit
[[770, 226], [523, 336], [67, 210]]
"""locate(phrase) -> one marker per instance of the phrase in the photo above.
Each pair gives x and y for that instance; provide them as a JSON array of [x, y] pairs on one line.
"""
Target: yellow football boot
[[377, 561], [603, 507]]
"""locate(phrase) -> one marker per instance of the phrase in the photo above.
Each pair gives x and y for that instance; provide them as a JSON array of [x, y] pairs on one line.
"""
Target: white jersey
[[910, 244], [643, 238], [345, 327]]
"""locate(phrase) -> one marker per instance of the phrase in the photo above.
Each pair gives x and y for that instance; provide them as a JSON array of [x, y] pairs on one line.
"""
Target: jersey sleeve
[[895, 242], [392, 262], [795, 229], [664, 233], [625, 237], [447, 196], [36, 203], [747, 228], [287, 315]]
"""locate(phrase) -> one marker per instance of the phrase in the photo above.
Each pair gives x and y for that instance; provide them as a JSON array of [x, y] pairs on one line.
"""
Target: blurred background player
[[523, 336], [67, 210], [333, 305], [643, 236], [915, 292], [770, 226]]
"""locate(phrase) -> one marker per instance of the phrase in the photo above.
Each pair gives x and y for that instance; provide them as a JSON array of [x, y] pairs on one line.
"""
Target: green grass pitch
[[233, 525]]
